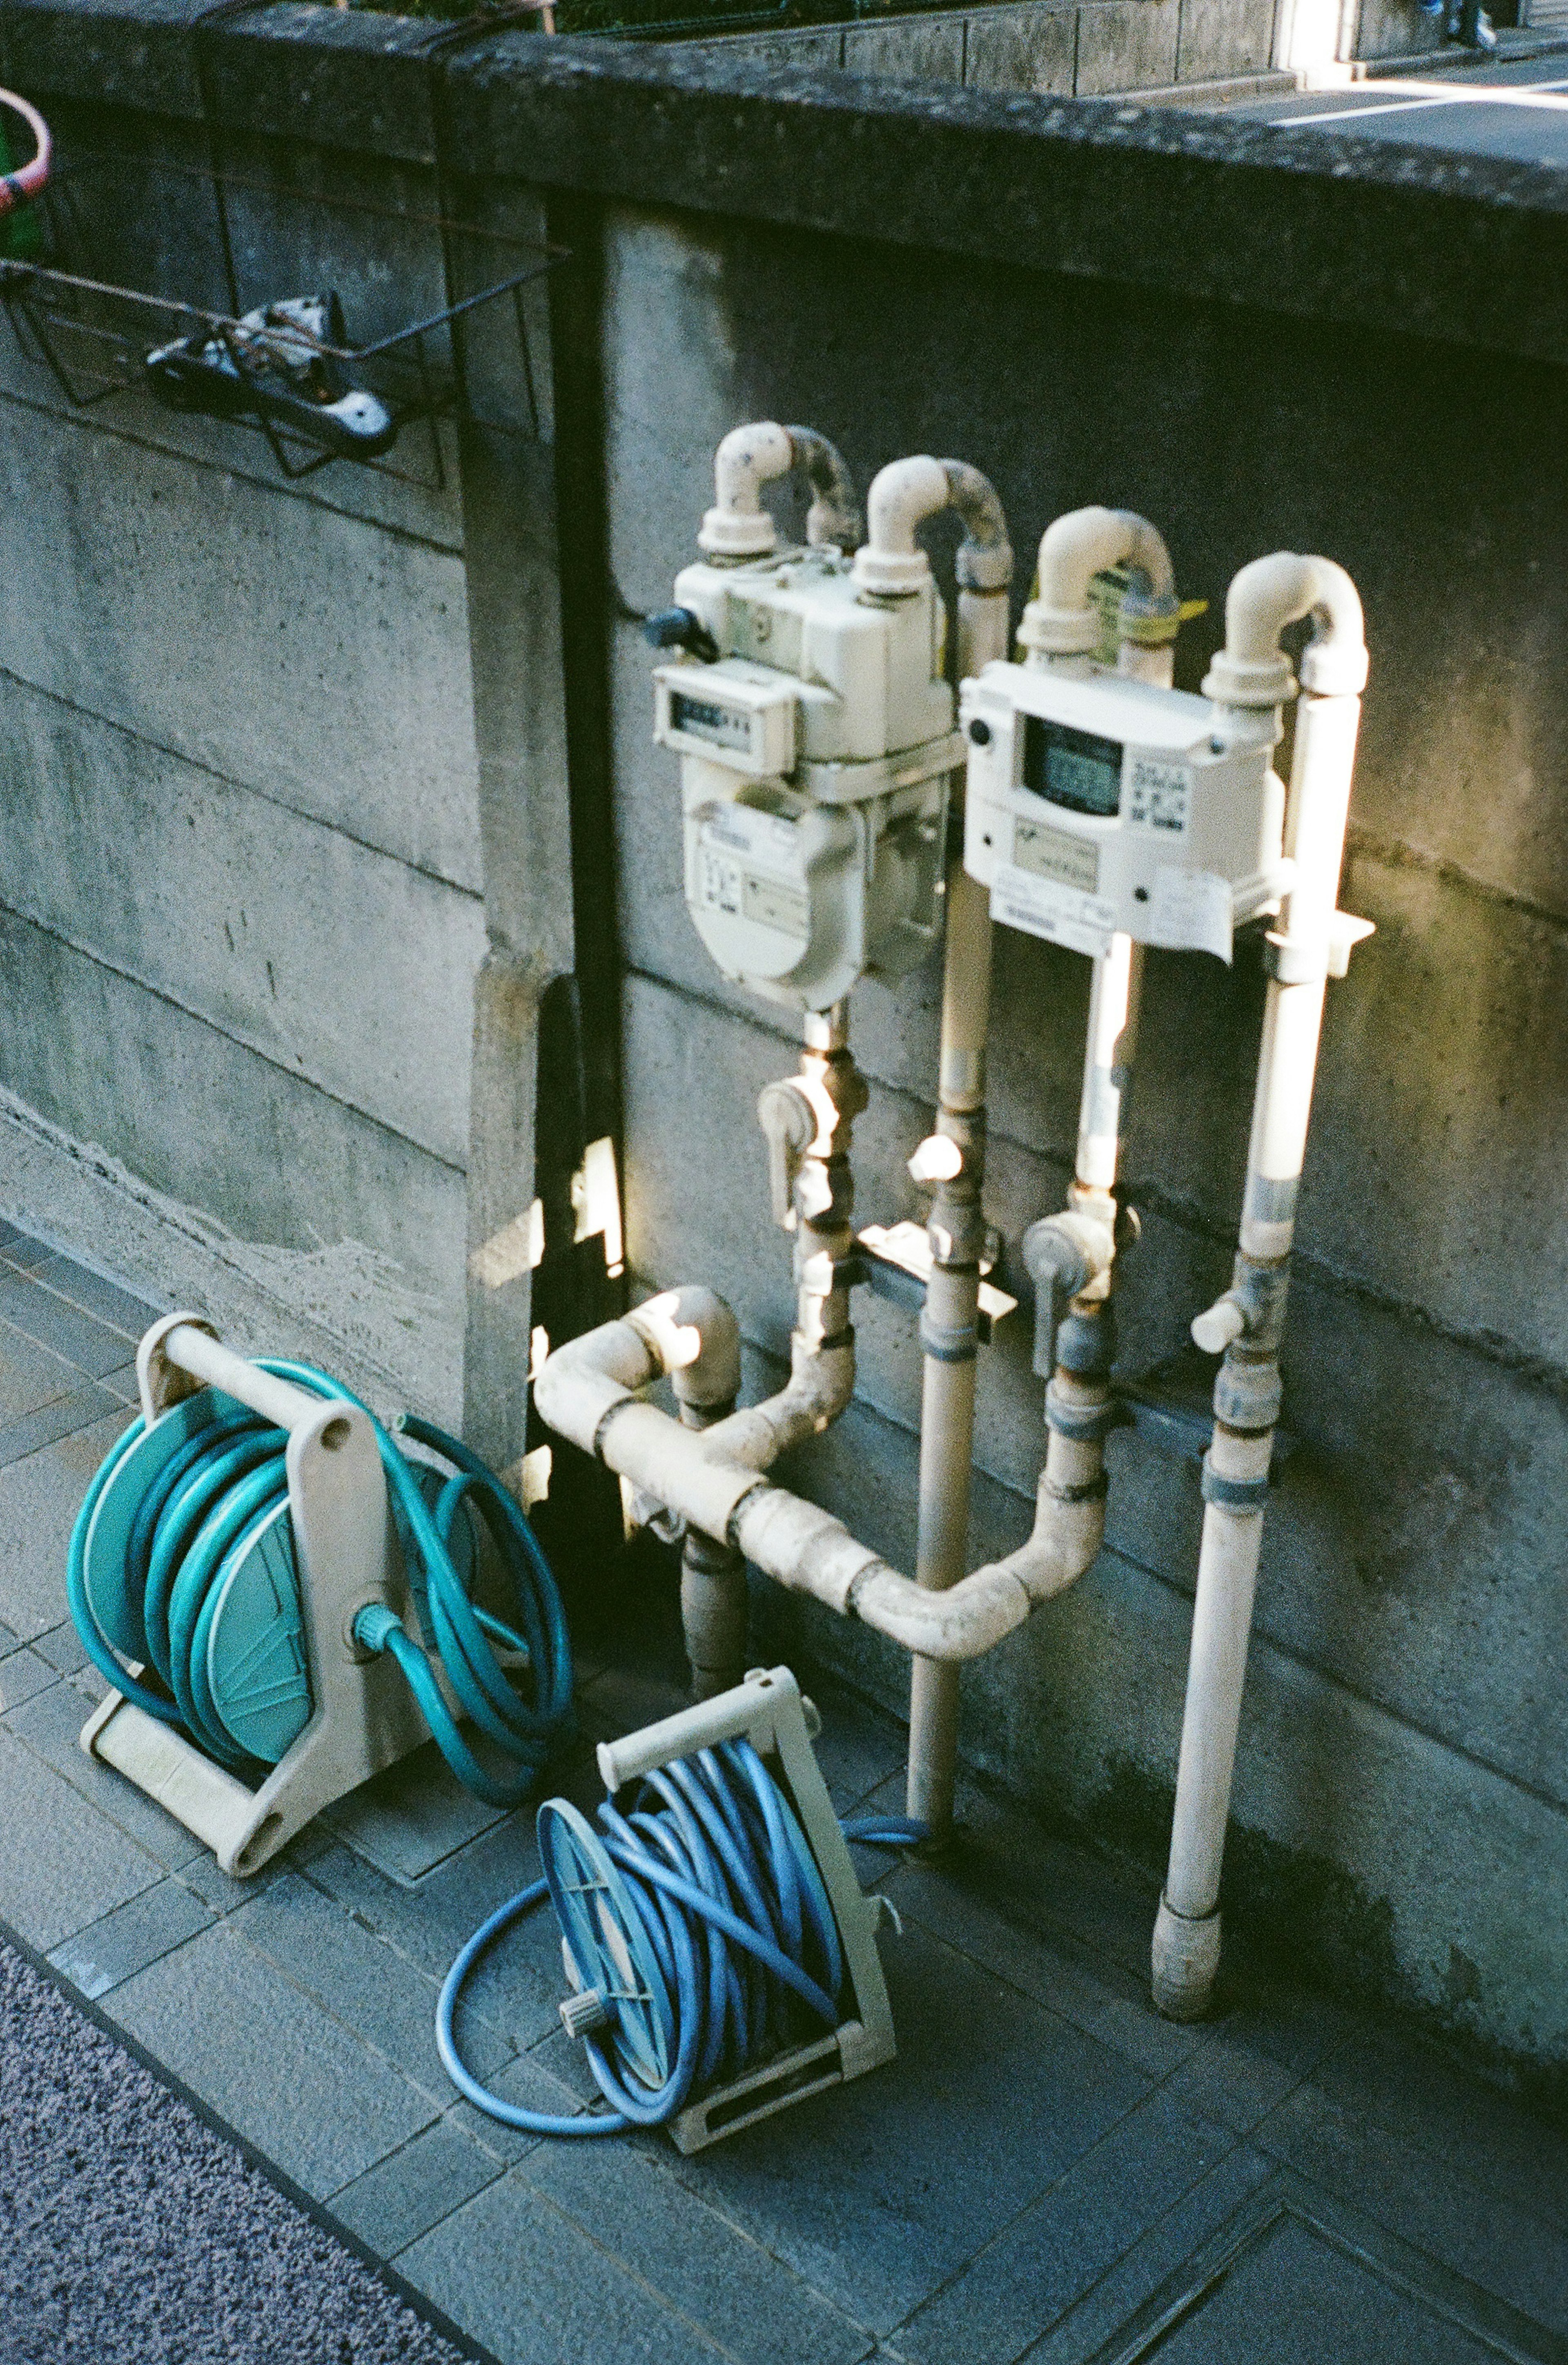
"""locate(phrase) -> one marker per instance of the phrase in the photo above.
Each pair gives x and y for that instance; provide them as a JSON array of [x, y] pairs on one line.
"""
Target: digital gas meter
[[816, 743], [1098, 804]]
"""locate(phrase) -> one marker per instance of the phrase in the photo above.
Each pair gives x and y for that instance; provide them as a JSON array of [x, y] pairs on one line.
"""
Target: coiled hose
[[17, 187], [697, 1931], [218, 1496]]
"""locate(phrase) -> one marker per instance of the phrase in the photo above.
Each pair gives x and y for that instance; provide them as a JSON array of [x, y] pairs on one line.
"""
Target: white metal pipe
[[1250, 672], [737, 527], [891, 564], [1062, 621], [1114, 995]]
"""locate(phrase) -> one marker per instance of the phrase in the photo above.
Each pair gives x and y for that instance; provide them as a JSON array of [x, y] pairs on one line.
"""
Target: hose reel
[[720, 1957], [282, 1594]]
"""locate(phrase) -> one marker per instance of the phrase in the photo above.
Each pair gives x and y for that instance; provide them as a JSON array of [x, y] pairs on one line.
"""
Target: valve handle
[[789, 1126], [679, 628]]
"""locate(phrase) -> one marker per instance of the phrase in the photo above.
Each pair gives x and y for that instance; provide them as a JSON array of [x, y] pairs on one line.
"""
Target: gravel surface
[[131, 2234]]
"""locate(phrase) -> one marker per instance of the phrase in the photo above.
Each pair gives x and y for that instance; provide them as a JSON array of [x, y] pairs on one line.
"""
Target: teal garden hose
[[182, 1561]]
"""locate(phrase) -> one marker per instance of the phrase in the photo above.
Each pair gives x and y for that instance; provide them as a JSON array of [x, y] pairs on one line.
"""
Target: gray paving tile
[[23, 1673], [61, 1647], [361, 1980], [121, 1384], [8, 1641], [527, 2081], [30, 1376], [868, 2193], [126, 1939], [401, 2198], [39, 1315], [1064, 2242], [624, 1699], [1210, 2205], [1515, 2254], [856, 1749], [80, 1409], [625, 2197], [50, 1725], [1427, 2103], [1098, 1997], [61, 1865], [411, 1817], [285, 2073], [521, 2277], [39, 1498], [203, 1875], [22, 1249], [105, 1301], [1230, 2084]]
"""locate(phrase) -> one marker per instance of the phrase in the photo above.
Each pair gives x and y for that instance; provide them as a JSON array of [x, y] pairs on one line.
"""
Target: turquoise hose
[[218, 1496]]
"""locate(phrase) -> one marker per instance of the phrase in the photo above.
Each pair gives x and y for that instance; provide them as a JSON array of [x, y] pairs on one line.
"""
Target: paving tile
[[625, 2197], [412, 1816], [1230, 2084], [401, 2198], [121, 1384], [624, 1699], [206, 1878], [104, 1300], [857, 1750], [868, 2193], [1515, 2254], [528, 2082], [517, 2274], [1430, 2106], [1107, 2305], [80, 1409], [49, 1320], [20, 1249], [287, 2075], [8, 1641], [63, 1648], [23, 1673], [61, 1865], [358, 1978], [1065, 2241], [50, 1725], [30, 1376], [1098, 1997], [39, 1498], [126, 1939]]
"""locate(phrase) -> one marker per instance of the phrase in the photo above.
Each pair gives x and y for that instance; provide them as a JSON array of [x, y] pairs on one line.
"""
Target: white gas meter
[[1098, 804], [816, 741]]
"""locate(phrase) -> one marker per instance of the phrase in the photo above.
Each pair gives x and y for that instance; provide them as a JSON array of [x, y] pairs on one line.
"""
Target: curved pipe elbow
[[822, 1381], [698, 1342], [903, 494], [737, 527], [1264, 598], [1062, 619], [964, 1622], [31, 178]]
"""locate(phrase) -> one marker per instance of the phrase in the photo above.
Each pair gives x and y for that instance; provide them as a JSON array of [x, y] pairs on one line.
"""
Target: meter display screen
[[724, 726], [1075, 768]]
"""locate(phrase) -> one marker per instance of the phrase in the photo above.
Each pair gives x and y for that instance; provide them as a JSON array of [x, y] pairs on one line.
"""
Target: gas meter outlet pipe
[[893, 564], [737, 527], [1310, 943], [1061, 624]]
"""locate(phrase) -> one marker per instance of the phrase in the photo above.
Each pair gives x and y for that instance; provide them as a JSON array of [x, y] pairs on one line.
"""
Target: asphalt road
[[1517, 109]]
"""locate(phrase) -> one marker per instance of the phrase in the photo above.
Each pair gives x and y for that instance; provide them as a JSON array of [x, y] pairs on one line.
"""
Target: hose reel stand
[[279, 1642]]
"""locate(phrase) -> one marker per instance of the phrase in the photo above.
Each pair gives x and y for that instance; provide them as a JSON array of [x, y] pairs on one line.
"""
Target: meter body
[[817, 746], [1097, 804]]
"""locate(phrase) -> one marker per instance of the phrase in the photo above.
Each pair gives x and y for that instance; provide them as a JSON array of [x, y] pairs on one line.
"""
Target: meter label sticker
[[1159, 795], [1191, 911], [704, 718], [730, 879], [1044, 908], [1051, 853]]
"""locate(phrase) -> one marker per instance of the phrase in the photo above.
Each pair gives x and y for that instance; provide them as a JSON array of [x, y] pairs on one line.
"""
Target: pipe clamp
[[947, 1342], [1233, 1494]]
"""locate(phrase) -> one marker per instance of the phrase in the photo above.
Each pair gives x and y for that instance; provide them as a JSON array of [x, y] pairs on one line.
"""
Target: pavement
[[1046, 2171], [1513, 105]]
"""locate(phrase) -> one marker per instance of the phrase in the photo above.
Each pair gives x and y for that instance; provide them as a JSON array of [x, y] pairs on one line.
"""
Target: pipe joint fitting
[[1235, 1494], [958, 1234], [1248, 1393], [1086, 1342], [1082, 1423], [1252, 1309], [737, 528], [1185, 1962], [947, 1342]]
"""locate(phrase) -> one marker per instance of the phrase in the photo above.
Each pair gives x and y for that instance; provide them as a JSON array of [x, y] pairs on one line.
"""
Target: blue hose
[[215, 1499], [699, 1922]]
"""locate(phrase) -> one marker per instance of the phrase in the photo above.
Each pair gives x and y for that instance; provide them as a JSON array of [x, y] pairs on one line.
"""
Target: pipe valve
[[1225, 1322], [789, 1126], [1064, 1256]]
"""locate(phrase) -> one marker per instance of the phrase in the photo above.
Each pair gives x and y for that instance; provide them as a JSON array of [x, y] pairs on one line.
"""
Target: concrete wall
[[316, 798]]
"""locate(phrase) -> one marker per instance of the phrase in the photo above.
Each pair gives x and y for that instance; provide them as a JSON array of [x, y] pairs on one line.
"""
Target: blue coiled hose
[[222, 1488], [700, 1919]]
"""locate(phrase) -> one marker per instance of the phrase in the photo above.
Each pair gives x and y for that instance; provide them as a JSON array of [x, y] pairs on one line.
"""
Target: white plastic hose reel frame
[[768, 1710], [363, 1716]]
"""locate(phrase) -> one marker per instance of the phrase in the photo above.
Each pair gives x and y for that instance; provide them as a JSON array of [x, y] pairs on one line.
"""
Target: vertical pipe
[[948, 1328], [1246, 1393]]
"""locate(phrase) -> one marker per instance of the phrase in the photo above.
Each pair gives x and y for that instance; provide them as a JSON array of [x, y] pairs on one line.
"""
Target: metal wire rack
[[94, 332]]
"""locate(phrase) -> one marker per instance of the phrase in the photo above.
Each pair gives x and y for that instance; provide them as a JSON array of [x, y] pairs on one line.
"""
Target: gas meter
[[816, 743], [1098, 804]]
